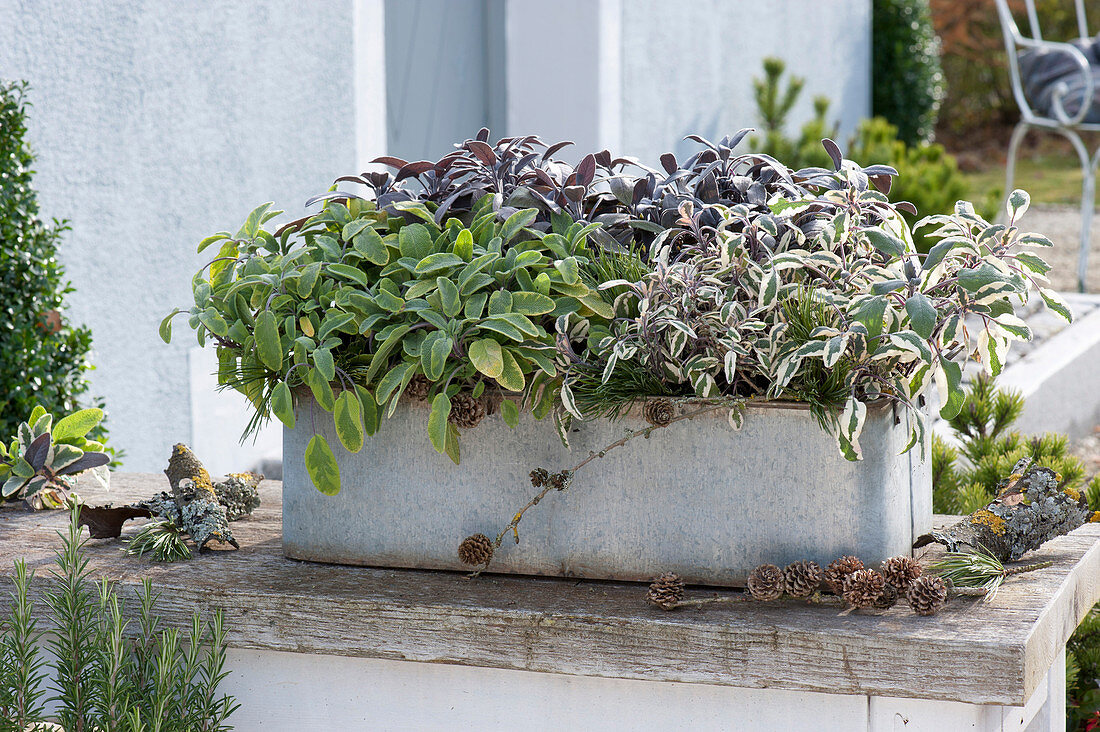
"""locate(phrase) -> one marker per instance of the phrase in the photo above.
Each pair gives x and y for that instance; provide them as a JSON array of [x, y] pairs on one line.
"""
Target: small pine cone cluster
[[666, 591], [887, 599], [418, 387], [466, 411], [539, 476], [802, 578], [659, 412], [927, 595], [476, 549], [766, 582], [900, 572], [863, 587], [838, 570], [561, 480]]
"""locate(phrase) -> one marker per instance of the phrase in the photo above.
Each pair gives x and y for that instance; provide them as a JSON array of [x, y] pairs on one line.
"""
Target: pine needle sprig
[[978, 570], [162, 540]]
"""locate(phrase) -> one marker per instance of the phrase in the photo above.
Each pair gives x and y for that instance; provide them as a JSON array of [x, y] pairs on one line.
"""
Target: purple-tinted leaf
[[390, 161], [411, 170], [882, 183], [907, 207], [603, 157], [554, 148], [482, 134], [483, 152], [350, 179], [702, 141], [332, 196], [89, 461], [574, 193], [586, 171], [668, 162], [879, 170], [834, 152], [37, 451], [642, 187]]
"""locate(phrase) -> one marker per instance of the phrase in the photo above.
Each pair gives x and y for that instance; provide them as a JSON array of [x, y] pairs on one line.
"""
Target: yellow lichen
[[1072, 493], [985, 517], [1095, 518]]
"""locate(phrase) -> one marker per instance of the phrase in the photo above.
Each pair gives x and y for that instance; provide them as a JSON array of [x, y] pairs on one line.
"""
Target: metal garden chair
[[1065, 104]]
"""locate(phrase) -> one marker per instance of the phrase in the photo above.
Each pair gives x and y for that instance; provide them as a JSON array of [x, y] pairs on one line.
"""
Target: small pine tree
[[45, 360], [774, 104]]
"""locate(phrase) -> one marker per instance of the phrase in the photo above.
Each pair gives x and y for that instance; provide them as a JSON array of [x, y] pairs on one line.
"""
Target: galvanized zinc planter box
[[697, 498]]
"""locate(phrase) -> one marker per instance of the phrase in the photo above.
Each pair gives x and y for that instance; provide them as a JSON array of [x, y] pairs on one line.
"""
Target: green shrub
[[906, 78], [45, 360], [928, 176]]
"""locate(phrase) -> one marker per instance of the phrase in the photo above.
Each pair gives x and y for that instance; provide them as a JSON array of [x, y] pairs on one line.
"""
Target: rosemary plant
[[109, 676]]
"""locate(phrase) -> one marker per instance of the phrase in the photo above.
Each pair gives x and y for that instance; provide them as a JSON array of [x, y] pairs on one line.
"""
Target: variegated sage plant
[[819, 298]]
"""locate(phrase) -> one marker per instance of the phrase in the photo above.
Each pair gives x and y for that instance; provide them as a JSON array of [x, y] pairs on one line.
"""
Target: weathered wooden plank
[[598, 628]]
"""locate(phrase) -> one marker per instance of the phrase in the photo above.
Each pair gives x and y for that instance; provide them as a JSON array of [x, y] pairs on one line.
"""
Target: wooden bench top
[[972, 651]]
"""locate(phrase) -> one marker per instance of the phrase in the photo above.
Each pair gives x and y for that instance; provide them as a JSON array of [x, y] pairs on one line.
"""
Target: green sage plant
[[106, 678], [354, 303]]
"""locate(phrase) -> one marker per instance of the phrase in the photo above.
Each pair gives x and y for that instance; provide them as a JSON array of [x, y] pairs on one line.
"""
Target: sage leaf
[[321, 466], [268, 344], [282, 404], [437, 421], [348, 418]]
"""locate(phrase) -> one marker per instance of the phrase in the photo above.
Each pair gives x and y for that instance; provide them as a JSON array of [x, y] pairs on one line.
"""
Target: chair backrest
[[1014, 39]]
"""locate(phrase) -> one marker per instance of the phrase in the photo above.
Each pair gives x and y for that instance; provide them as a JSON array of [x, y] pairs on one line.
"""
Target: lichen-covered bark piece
[[198, 511], [239, 493], [187, 476], [1031, 507], [205, 519]]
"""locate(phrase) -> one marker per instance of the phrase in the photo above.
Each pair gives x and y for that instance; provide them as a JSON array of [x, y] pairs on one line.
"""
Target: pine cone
[[766, 582], [539, 476], [900, 571], [561, 480], [666, 591], [476, 549], [838, 569], [927, 595], [659, 412], [888, 598], [863, 587], [418, 387], [466, 412], [802, 578]]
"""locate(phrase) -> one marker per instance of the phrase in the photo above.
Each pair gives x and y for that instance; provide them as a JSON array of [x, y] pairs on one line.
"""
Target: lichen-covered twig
[[562, 480], [1031, 507]]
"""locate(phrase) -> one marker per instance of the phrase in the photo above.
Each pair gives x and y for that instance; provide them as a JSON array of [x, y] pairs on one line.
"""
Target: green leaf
[[511, 378], [220, 236], [214, 322], [438, 261], [509, 412], [485, 354], [516, 222], [354, 274], [869, 312], [383, 351], [389, 383], [433, 354], [500, 302], [531, 303], [1055, 302], [569, 270], [322, 359], [448, 294], [371, 414], [922, 315], [437, 421], [452, 444], [166, 326], [972, 280], [464, 245], [348, 418], [282, 404], [948, 375], [77, 424], [1018, 202], [370, 244], [414, 241], [322, 390], [885, 242], [321, 466], [268, 344]]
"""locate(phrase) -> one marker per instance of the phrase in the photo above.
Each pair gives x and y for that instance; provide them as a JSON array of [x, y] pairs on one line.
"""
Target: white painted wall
[[155, 124], [687, 67], [299, 692]]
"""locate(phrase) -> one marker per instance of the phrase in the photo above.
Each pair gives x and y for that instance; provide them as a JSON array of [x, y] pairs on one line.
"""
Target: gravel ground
[[1062, 225]]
